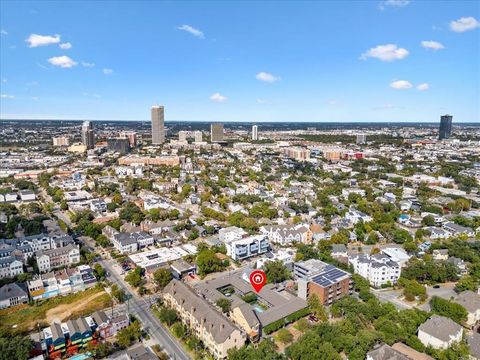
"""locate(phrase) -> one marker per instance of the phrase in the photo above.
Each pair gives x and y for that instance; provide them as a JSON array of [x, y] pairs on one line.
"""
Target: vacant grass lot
[[61, 308]]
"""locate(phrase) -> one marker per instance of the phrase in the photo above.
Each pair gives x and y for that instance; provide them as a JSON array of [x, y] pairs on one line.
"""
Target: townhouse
[[287, 234], [244, 248], [217, 332], [439, 332], [53, 258], [13, 294]]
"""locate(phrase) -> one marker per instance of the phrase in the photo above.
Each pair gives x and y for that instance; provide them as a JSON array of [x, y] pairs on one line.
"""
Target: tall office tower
[[158, 129], [361, 139], [88, 135], [254, 132], [198, 136], [182, 136], [216, 133], [445, 127]]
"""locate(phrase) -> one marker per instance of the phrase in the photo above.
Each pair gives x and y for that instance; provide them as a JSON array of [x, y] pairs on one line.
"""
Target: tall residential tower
[[255, 132], [445, 127], [216, 133], [158, 128], [88, 135]]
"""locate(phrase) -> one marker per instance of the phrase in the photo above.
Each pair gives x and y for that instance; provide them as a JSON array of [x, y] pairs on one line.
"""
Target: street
[[141, 309]]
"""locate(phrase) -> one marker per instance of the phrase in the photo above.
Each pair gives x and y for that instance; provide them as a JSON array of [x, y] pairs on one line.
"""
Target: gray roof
[[440, 327], [386, 352], [219, 326], [100, 317], [473, 342], [11, 291], [139, 352], [469, 300], [57, 332]]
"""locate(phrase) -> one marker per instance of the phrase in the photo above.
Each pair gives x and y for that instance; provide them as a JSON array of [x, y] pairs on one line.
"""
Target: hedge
[[276, 325]]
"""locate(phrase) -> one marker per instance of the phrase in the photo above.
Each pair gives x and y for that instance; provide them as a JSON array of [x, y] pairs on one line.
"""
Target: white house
[[287, 234], [471, 302], [397, 255], [231, 233], [439, 332]]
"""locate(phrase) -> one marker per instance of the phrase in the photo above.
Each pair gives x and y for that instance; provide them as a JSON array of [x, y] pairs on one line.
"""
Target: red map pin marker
[[258, 279]]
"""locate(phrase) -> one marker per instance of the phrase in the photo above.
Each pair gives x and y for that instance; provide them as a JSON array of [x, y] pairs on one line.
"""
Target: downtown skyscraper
[[255, 132], [158, 127], [88, 135], [445, 130]]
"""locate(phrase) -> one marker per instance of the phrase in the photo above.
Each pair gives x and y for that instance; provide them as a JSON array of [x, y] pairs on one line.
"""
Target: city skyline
[[309, 71]]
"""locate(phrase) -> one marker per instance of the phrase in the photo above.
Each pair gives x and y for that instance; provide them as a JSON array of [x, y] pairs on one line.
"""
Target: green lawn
[[26, 317]]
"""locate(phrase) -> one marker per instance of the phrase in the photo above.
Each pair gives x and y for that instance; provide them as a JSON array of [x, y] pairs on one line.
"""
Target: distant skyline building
[[120, 145], [445, 130], [216, 132], [61, 141], [361, 139], [198, 136], [158, 126], [131, 136], [182, 136], [255, 132], [88, 135]]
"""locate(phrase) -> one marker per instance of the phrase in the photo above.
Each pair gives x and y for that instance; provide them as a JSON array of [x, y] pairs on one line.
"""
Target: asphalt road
[[141, 309]]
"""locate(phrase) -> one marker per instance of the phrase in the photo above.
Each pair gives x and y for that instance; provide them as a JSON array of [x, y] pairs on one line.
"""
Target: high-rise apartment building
[[131, 136], [445, 127], [255, 132], [198, 136], [88, 135], [361, 139], [182, 136], [216, 132], [158, 128]]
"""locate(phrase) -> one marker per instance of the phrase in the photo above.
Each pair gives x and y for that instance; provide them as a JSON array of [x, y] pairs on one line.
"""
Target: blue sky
[[393, 60]]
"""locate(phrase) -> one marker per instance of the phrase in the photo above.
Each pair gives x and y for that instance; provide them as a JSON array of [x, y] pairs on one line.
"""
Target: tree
[[99, 271], [162, 277], [127, 336], [428, 220], [284, 336], [179, 330], [302, 325], [447, 308], [317, 308], [167, 316], [276, 271], [224, 304], [208, 262], [466, 283], [14, 347], [132, 213], [134, 277], [412, 289], [118, 293]]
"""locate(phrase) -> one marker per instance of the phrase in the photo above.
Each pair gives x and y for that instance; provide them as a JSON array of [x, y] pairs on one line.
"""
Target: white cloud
[[35, 40], [192, 30], [94, 95], [393, 3], [6, 96], [3, 32], [217, 97], [35, 98], [261, 101], [267, 77], [434, 45], [388, 52], [401, 84], [62, 61], [32, 83], [464, 24], [423, 87], [65, 46], [4, 80], [87, 64], [108, 71]]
